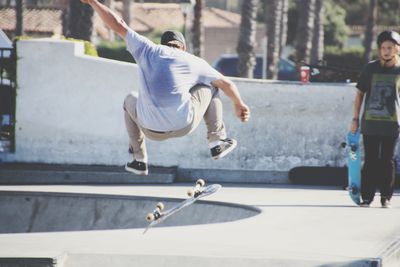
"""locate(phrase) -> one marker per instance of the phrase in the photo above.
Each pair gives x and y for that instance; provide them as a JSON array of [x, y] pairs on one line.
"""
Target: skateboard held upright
[[354, 166]]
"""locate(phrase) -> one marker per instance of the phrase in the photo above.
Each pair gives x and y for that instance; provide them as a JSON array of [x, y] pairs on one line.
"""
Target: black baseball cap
[[171, 35], [388, 36]]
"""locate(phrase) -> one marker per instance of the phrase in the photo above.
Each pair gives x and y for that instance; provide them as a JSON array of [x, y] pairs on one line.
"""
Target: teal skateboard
[[198, 191], [354, 166]]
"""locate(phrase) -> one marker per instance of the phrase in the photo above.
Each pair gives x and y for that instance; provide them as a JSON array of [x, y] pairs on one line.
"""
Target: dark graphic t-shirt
[[381, 107]]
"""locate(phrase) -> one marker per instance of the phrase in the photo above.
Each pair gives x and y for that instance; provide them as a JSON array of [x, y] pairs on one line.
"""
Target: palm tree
[[284, 26], [370, 29], [247, 38], [305, 29], [274, 19], [19, 13], [198, 29], [126, 11], [317, 51], [79, 21], [111, 33]]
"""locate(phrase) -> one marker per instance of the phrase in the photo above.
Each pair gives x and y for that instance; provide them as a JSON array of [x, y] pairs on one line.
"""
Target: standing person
[[379, 89], [176, 91]]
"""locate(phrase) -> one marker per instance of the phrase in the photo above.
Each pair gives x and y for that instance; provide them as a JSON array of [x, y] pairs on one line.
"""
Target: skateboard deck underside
[[207, 190]]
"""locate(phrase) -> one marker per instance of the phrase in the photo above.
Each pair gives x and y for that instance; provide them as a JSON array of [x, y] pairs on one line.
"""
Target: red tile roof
[[145, 17], [39, 20]]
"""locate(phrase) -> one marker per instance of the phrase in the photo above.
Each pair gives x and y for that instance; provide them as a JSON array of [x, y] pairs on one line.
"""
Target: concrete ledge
[[36, 173], [232, 176], [30, 173], [27, 262], [77, 260], [323, 176]]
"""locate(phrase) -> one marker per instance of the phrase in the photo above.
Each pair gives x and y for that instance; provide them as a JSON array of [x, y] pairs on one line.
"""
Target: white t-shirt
[[166, 76]]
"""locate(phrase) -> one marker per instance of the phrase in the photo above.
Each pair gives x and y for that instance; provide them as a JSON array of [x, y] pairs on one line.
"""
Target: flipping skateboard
[[354, 165], [198, 191]]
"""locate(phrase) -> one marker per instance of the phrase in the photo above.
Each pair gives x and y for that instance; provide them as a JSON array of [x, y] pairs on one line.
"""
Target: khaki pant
[[206, 104]]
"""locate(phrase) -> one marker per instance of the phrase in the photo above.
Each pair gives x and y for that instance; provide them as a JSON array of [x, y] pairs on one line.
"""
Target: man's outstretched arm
[[113, 21], [242, 111]]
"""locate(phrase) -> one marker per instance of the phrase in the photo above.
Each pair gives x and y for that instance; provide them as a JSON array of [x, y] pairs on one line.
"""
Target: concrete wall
[[69, 110], [69, 106]]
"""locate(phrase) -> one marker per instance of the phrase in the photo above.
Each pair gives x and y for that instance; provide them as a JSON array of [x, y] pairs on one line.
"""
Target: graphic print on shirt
[[381, 105]]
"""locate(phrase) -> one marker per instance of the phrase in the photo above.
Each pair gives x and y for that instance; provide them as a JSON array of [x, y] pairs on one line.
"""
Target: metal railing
[[7, 99]]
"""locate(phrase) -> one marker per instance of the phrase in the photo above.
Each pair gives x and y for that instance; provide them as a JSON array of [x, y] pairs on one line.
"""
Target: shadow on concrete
[[308, 206], [27, 212]]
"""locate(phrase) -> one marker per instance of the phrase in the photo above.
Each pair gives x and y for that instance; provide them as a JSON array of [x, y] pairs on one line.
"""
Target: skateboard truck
[[196, 191], [156, 212], [353, 189]]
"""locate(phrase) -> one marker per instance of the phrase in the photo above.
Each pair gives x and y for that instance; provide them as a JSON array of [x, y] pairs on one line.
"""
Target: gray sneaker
[[386, 203], [221, 150], [365, 204], [137, 167]]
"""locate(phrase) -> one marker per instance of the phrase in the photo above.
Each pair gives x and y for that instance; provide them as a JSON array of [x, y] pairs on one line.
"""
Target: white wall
[[69, 110], [69, 106]]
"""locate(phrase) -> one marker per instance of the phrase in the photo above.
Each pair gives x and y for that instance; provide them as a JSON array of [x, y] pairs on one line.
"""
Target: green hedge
[[114, 50], [341, 65]]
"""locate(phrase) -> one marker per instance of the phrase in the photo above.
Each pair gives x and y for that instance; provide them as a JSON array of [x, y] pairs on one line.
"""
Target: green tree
[[388, 11], [335, 28], [355, 10], [79, 21]]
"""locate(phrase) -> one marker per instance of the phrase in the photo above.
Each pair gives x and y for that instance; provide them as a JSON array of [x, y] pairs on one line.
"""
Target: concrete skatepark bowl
[[28, 212]]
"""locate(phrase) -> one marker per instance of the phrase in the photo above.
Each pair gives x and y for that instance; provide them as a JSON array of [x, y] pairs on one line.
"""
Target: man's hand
[[109, 17], [354, 126], [242, 111]]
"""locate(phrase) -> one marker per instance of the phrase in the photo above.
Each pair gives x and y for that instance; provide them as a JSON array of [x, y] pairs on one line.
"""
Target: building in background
[[221, 26]]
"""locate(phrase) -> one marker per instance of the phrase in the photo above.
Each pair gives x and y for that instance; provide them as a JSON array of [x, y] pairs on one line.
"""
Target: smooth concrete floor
[[298, 226]]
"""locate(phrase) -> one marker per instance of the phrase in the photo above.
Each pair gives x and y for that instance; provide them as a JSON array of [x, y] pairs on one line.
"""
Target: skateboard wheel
[[200, 182], [354, 190], [160, 206], [150, 217], [190, 192]]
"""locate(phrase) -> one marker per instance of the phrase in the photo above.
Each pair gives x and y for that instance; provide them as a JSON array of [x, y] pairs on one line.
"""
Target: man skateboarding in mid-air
[[177, 90]]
